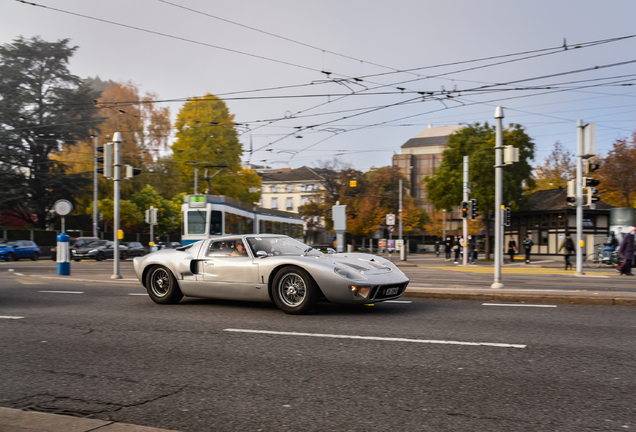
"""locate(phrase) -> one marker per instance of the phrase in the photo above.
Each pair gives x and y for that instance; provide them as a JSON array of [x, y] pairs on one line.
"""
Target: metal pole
[[498, 197], [95, 189], [196, 180], [116, 181], [579, 196], [403, 248], [465, 220]]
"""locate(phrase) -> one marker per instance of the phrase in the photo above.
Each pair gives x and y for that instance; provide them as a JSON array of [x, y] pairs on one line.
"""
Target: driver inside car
[[239, 250]]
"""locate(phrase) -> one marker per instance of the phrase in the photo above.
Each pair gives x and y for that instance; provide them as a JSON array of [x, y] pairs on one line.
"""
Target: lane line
[[397, 301], [518, 305], [63, 292], [376, 338], [143, 294], [10, 317]]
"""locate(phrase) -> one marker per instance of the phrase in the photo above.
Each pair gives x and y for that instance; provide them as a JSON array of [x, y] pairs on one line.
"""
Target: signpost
[[63, 208]]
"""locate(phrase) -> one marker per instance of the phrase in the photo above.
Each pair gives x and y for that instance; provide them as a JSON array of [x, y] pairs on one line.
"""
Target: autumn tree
[[557, 168], [617, 173], [445, 189], [42, 106]]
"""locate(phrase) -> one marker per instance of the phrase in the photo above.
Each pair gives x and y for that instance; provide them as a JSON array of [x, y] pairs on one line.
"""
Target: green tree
[[129, 214], [169, 213], [42, 106], [206, 138], [617, 173], [477, 142]]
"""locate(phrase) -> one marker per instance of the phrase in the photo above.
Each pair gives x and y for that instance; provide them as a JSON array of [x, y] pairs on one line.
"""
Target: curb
[[536, 298]]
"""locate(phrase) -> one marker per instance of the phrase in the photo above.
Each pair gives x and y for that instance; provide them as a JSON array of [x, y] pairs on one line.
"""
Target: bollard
[[349, 248], [63, 255]]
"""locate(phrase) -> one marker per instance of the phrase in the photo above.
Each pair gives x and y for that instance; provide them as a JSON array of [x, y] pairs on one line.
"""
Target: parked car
[[135, 249], [99, 250], [15, 250], [165, 245], [74, 243], [269, 268]]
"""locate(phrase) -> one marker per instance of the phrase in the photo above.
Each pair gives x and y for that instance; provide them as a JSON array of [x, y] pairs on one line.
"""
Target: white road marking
[[63, 292], [515, 304], [398, 301], [376, 338], [144, 294], [10, 317], [19, 274]]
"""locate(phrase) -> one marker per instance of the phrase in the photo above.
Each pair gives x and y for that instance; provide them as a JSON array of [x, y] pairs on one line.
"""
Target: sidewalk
[[15, 420]]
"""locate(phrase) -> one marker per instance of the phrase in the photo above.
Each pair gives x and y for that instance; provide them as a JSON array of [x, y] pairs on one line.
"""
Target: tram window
[[285, 228], [276, 228], [268, 227], [249, 225], [216, 222], [230, 223], [196, 222]]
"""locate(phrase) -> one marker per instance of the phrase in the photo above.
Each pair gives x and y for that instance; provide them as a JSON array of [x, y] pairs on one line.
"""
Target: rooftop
[[554, 199], [291, 175]]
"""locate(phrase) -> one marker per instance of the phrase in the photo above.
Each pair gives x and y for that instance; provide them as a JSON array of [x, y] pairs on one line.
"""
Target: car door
[[228, 276]]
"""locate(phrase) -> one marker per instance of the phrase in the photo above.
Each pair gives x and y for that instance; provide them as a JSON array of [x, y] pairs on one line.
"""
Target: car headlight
[[361, 292], [342, 272], [92, 251]]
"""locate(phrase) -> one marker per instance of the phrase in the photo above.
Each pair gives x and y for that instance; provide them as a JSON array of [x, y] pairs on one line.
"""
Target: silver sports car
[[268, 267]]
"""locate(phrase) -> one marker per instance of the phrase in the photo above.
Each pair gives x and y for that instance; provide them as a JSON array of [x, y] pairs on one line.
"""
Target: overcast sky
[[267, 60]]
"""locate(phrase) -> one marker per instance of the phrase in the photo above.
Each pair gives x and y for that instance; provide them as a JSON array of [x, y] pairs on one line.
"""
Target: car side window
[[219, 249], [18, 244]]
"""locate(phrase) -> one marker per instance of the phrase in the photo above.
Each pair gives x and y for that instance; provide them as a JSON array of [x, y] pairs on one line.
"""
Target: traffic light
[[353, 183], [106, 160], [474, 209], [507, 216], [131, 172], [590, 193], [571, 199], [590, 182], [151, 216], [591, 166], [464, 209]]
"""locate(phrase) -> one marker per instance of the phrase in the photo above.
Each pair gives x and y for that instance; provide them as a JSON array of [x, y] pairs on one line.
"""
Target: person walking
[[457, 248], [470, 246], [437, 248], [527, 246], [568, 248], [512, 249], [626, 251], [448, 247]]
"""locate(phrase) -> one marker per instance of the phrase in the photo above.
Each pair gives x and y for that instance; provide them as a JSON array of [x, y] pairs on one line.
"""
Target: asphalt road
[[106, 350]]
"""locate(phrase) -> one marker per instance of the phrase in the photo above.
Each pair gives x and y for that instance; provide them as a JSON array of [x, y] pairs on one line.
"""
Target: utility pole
[[579, 196], [498, 197], [95, 186], [116, 181], [465, 219]]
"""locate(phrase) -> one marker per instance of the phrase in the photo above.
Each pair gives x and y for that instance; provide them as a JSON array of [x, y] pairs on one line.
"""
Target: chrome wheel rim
[[160, 282], [292, 289]]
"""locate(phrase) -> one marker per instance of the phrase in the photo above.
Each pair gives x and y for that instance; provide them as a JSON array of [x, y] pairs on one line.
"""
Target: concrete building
[[420, 157]]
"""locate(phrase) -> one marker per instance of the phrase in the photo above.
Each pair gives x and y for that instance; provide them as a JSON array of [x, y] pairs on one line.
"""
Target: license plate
[[391, 291]]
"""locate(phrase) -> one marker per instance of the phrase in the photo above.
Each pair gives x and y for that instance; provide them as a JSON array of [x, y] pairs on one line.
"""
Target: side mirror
[[261, 254], [331, 251]]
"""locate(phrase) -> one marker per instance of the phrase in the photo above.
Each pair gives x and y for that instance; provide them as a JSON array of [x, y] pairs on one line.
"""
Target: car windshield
[[4, 244], [282, 245], [97, 243]]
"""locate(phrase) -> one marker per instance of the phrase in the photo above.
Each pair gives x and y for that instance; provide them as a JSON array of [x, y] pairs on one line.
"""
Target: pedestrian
[[448, 247], [568, 248], [437, 248], [512, 249], [471, 249], [456, 248], [527, 245], [626, 251], [610, 246]]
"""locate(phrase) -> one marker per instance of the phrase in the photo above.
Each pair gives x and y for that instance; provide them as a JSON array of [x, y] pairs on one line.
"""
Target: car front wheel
[[100, 256], [35, 256], [294, 291], [162, 286], [10, 257]]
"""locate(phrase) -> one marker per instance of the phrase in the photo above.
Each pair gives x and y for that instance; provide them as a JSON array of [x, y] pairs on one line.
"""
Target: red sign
[[391, 228]]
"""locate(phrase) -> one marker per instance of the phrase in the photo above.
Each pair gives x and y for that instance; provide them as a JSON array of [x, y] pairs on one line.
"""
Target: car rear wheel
[[162, 286], [35, 256], [294, 291], [10, 257], [100, 256]]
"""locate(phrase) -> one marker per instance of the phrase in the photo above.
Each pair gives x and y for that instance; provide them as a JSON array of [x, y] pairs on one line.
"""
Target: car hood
[[362, 263]]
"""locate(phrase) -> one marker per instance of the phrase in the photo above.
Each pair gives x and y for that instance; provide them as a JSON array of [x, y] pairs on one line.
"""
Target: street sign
[[63, 207], [391, 228], [390, 219], [399, 244]]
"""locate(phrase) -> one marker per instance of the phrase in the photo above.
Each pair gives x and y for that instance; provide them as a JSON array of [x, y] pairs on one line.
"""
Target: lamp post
[[116, 181], [498, 198]]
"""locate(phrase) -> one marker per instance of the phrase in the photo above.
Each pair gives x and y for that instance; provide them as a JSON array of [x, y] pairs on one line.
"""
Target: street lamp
[[498, 197]]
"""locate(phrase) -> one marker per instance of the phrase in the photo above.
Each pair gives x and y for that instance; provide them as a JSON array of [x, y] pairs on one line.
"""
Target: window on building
[[274, 188], [289, 188], [289, 203], [274, 203]]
